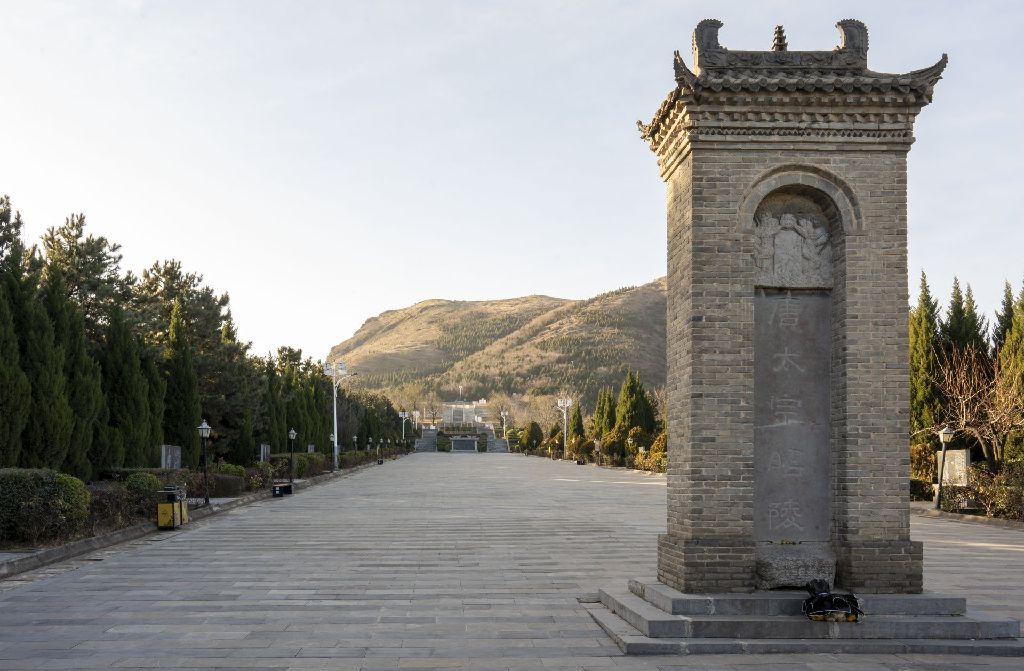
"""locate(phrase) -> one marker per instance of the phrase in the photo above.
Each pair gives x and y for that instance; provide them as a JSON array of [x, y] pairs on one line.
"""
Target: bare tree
[[981, 400]]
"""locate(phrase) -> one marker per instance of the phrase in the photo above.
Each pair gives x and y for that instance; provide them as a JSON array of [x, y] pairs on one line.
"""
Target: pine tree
[[181, 408], [633, 407], [84, 382], [925, 399], [90, 266], [15, 392], [1004, 319], [576, 423], [127, 393]]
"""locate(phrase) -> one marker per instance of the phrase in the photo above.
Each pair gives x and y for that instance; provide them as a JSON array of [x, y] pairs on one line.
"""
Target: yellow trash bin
[[171, 508]]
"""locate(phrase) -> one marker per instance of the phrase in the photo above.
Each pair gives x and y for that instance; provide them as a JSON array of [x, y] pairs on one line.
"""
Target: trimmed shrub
[[112, 507], [259, 476], [221, 485], [307, 464], [226, 485], [228, 469], [922, 462], [613, 448], [1001, 494], [166, 476], [351, 459], [956, 498], [143, 485], [921, 490], [39, 504]]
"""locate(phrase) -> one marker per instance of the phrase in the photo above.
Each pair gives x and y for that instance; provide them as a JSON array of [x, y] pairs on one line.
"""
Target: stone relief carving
[[792, 246]]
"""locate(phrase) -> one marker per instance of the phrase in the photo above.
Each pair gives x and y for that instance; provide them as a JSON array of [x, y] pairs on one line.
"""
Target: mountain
[[535, 346]]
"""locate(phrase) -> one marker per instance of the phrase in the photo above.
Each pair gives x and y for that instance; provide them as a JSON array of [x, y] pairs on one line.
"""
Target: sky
[[325, 161]]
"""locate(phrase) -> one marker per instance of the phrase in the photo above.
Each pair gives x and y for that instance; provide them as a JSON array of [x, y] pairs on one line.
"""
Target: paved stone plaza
[[433, 561]]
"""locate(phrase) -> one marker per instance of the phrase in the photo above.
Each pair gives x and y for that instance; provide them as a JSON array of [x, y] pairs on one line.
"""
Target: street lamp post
[[335, 463], [564, 404], [291, 455], [504, 432], [338, 372], [945, 435], [404, 415], [380, 444], [204, 433]]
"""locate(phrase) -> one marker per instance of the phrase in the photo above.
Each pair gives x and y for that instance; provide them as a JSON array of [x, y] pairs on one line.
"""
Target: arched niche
[[799, 232]]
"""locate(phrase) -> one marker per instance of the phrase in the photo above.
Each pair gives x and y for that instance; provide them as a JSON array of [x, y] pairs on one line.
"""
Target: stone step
[[787, 602], [647, 619], [632, 642], [653, 622]]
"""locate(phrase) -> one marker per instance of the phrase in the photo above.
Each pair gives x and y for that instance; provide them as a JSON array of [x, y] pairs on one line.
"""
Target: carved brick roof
[[844, 70]]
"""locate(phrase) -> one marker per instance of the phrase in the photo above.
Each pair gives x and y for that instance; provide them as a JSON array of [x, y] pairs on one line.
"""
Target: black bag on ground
[[824, 606]]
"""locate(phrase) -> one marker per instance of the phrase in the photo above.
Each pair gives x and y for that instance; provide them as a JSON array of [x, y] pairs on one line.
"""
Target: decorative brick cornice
[[808, 94]]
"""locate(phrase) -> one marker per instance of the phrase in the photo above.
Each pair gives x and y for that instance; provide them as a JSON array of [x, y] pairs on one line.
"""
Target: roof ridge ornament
[[853, 36], [779, 42]]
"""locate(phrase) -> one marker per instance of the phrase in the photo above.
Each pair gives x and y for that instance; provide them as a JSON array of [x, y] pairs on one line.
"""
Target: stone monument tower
[[787, 362], [787, 316]]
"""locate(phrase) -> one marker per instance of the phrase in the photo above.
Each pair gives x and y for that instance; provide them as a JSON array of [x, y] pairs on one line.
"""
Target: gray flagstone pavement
[[436, 560]]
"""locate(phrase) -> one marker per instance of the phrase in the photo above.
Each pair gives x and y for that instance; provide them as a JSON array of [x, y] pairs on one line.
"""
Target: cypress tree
[[127, 392], [181, 408], [925, 403], [964, 328], [604, 413], [576, 423], [274, 429], [633, 407], [15, 392], [84, 383], [1004, 319], [242, 448], [157, 390], [47, 434], [976, 325]]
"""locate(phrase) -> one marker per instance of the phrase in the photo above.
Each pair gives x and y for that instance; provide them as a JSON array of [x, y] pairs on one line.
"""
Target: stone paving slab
[[428, 562]]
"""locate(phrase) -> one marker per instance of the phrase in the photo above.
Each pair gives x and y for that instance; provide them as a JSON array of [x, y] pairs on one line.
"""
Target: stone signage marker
[[786, 174], [170, 456]]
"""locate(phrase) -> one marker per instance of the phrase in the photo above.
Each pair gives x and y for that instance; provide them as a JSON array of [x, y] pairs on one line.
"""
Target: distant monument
[[787, 352], [170, 456], [464, 413]]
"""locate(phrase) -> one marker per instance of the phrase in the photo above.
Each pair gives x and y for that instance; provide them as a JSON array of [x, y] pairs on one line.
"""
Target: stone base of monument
[[780, 565], [650, 618]]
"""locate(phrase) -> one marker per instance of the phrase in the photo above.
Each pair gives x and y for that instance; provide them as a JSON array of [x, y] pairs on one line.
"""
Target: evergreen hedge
[[40, 504]]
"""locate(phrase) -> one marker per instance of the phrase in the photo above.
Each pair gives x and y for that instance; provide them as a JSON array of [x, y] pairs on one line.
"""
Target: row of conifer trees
[[968, 373], [99, 367]]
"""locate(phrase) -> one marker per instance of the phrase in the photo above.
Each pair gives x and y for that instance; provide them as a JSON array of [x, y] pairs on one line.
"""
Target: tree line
[[967, 373], [99, 367], [625, 429]]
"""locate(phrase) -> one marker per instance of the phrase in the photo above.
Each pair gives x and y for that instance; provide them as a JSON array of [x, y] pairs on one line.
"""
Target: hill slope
[[535, 345]]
